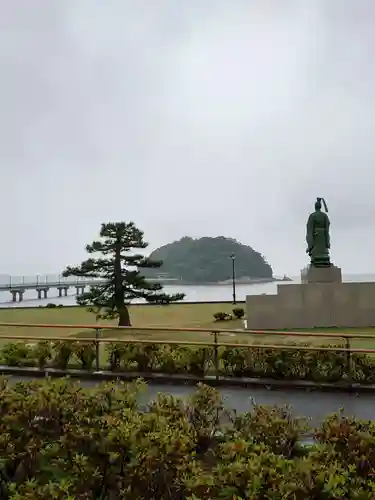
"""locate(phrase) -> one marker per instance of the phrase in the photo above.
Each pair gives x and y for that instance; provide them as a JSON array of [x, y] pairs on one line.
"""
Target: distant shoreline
[[239, 281]]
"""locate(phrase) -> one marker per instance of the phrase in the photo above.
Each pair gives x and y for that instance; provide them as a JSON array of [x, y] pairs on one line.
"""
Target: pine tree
[[120, 267]]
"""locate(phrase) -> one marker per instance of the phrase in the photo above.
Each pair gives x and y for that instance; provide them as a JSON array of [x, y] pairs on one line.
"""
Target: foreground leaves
[[60, 440]]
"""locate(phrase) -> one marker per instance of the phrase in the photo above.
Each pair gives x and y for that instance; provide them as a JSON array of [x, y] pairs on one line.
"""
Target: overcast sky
[[199, 118]]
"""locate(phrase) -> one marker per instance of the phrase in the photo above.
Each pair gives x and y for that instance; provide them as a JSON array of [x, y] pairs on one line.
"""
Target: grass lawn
[[174, 316]]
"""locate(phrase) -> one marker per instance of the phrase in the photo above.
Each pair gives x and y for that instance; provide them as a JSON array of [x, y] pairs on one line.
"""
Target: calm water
[[193, 293]]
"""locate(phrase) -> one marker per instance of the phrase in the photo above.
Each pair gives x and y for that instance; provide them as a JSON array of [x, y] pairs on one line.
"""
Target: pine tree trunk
[[123, 312], [124, 317]]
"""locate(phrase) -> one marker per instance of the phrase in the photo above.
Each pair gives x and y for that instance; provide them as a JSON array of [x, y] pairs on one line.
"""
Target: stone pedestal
[[321, 275], [322, 300]]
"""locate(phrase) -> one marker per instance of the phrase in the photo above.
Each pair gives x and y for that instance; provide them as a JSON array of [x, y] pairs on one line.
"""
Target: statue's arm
[[328, 238], [310, 232]]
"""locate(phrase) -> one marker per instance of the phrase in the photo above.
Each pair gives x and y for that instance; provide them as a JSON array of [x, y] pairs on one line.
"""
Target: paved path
[[315, 405]]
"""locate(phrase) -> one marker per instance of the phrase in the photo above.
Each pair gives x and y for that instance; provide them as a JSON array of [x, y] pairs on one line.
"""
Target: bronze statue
[[317, 236]]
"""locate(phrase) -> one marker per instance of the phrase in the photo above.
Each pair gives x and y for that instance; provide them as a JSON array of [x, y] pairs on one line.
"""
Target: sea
[[193, 293]]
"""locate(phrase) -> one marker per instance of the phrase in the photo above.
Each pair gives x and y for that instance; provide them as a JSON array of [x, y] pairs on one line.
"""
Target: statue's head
[[318, 204]]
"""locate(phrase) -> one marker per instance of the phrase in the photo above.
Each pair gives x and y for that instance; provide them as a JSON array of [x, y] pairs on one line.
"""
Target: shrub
[[238, 312], [199, 360], [173, 359], [115, 354], [253, 362], [85, 353], [60, 440], [41, 353], [286, 431], [284, 364], [362, 368], [143, 356], [222, 316], [51, 305], [205, 410], [62, 353], [16, 354], [350, 439]]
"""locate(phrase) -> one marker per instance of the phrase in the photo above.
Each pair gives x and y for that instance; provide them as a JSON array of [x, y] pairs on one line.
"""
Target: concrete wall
[[313, 305]]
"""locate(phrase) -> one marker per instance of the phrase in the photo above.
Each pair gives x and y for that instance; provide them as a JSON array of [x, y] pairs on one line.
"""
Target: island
[[208, 261]]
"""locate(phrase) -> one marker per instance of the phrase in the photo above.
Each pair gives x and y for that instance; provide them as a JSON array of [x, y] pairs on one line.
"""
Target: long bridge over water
[[17, 285]]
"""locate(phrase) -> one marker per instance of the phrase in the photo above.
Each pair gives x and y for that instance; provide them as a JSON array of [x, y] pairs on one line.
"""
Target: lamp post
[[233, 257]]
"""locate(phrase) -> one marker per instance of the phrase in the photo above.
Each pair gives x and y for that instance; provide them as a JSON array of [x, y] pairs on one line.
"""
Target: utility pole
[[233, 257]]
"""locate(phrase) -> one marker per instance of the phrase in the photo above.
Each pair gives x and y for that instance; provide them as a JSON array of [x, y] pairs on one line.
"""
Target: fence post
[[97, 350], [348, 359], [216, 357]]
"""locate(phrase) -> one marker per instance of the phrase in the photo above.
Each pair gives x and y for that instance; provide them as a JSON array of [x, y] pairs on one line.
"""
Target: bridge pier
[[62, 289], [80, 290], [42, 291], [17, 294]]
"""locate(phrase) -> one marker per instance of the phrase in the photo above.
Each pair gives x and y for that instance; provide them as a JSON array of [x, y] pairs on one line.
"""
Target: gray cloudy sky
[[199, 117]]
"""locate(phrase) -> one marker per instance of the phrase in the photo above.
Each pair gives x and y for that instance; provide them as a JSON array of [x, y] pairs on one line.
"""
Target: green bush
[[238, 312], [60, 440], [173, 359], [41, 353], [222, 316], [85, 353], [62, 353], [253, 362], [284, 364], [115, 354], [16, 354], [51, 305]]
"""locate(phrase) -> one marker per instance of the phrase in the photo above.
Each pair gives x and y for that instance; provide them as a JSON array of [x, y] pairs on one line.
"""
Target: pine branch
[[92, 268], [99, 246], [150, 263], [164, 298]]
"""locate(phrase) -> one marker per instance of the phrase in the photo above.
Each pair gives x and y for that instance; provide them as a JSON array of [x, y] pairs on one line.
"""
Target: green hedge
[[282, 364], [61, 441]]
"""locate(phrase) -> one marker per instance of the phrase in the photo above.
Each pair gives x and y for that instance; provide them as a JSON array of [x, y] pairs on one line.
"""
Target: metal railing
[[7, 282], [215, 344]]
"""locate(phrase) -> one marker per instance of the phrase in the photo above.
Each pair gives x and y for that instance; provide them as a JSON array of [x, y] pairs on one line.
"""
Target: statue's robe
[[318, 239]]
